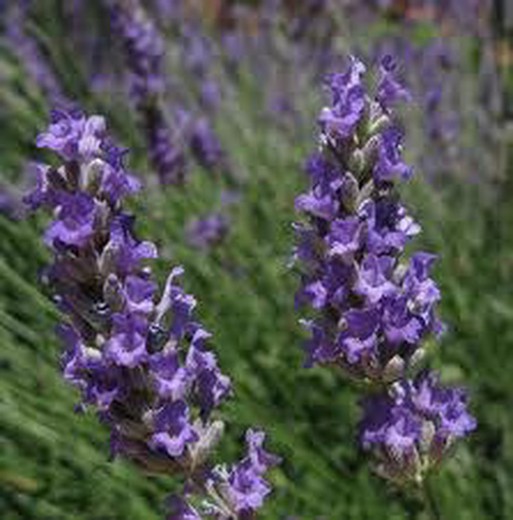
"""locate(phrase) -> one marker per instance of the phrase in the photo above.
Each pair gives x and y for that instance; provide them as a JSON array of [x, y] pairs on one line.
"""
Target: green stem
[[430, 502]]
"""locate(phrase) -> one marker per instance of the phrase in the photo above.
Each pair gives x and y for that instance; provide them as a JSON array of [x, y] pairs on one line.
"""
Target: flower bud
[[157, 337], [109, 259], [356, 162], [427, 436], [210, 435], [417, 358], [365, 193], [92, 176], [72, 174], [102, 219], [370, 153], [394, 369], [379, 124], [350, 192], [113, 293]]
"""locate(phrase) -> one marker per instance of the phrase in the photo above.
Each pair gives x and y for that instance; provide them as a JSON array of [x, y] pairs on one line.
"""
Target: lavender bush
[[141, 362]]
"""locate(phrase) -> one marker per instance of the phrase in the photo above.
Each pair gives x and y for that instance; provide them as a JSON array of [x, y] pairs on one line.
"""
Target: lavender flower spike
[[140, 360], [371, 307]]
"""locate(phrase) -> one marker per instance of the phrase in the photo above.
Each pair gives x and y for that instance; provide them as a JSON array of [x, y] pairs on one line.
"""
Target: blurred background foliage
[[267, 60]]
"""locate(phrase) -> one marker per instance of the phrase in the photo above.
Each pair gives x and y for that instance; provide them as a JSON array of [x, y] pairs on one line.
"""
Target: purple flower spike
[[142, 362], [367, 311], [372, 307], [205, 145], [144, 55], [144, 48], [27, 50]]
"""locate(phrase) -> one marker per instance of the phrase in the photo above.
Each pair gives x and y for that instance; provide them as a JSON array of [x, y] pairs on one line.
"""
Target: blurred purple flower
[[205, 145], [207, 232]]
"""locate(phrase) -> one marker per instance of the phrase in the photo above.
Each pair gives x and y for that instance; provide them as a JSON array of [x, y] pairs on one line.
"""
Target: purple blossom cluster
[[375, 309], [236, 492], [372, 308], [140, 360], [144, 52], [197, 57], [417, 420]]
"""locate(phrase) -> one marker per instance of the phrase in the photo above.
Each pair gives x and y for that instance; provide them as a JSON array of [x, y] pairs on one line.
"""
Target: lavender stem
[[430, 502]]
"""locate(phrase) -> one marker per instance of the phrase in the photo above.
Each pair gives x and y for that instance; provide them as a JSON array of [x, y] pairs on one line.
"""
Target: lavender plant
[[373, 309], [141, 361]]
